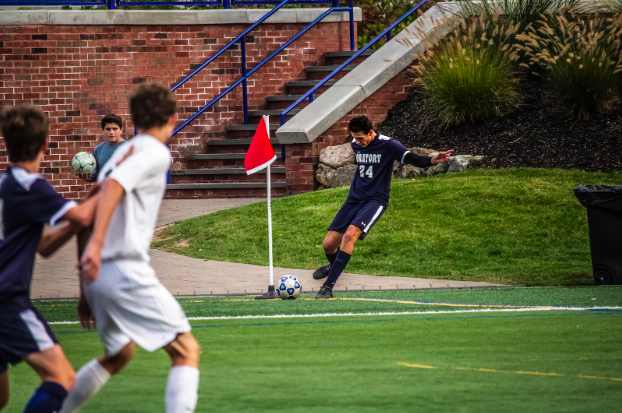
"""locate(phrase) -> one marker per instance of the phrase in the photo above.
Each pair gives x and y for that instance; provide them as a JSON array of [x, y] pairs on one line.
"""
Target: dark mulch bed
[[536, 135]]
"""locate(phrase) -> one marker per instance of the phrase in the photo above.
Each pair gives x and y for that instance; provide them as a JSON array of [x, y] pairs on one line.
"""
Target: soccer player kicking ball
[[368, 197], [126, 298], [27, 202]]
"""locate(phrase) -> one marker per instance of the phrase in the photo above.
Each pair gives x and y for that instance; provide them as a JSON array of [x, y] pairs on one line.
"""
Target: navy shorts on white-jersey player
[[360, 214], [23, 331]]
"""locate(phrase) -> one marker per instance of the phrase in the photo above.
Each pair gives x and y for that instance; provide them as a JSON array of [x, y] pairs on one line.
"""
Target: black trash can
[[604, 216]]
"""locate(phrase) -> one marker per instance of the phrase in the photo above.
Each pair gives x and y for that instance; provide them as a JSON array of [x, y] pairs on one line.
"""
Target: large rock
[[438, 169], [343, 176], [421, 151], [458, 163], [338, 156], [408, 171], [324, 175]]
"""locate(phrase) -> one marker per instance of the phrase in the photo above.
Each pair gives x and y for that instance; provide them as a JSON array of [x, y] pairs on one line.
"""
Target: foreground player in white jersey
[[127, 300]]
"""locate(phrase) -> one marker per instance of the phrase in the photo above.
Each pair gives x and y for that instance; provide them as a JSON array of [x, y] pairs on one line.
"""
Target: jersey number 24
[[369, 173]]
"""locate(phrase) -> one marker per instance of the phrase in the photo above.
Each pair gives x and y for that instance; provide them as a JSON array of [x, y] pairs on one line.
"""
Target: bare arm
[[75, 219], [82, 214], [108, 200], [52, 240]]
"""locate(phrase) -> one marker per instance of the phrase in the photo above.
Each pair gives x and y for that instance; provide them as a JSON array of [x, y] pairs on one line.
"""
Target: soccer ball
[[289, 287], [83, 162]]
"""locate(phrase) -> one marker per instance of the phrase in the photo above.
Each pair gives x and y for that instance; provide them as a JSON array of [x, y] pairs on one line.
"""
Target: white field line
[[483, 310]]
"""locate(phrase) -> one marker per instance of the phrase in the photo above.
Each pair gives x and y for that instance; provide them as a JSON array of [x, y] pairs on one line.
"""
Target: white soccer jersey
[[127, 299], [143, 177]]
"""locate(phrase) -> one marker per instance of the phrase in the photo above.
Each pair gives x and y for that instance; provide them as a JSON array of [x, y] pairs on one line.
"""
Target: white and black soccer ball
[[289, 287], [83, 162]]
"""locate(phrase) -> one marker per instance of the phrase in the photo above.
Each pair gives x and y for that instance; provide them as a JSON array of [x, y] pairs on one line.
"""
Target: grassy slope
[[240, 306], [515, 226], [351, 365]]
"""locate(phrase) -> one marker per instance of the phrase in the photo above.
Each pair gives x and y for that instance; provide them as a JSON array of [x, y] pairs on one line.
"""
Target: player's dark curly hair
[[360, 124], [25, 129], [152, 106], [112, 118]]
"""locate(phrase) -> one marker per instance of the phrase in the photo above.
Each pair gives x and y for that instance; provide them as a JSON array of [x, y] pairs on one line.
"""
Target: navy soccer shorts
[[360, 214], [23, 331]]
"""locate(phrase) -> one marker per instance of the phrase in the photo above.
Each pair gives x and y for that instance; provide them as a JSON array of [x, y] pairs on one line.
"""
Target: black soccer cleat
[[325, 293], [321, 272]]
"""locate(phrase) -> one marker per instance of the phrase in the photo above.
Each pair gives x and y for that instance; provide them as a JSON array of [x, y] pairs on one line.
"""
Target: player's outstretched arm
[[75, 219], [52, 240], [108, 199]]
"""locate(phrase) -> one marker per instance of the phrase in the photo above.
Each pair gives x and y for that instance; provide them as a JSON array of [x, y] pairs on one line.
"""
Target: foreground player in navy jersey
[[368, 197], [27, 202]]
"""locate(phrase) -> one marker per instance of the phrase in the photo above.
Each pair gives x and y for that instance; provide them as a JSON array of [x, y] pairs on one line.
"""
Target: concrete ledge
[[369, 76], [166, 17]]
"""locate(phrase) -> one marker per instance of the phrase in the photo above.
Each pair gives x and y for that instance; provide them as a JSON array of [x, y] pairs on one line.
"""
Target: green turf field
[[510, 226], [457, 361]]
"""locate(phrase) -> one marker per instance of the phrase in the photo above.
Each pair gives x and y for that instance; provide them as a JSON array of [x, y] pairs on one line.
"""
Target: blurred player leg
[[4, 389], [94, 375], [183, 380], [57, 378]]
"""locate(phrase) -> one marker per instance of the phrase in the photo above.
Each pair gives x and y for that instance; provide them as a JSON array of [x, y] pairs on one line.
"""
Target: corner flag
[[260, 154]]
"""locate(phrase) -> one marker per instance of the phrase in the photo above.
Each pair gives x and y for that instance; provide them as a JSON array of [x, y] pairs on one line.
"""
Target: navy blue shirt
[[27, 202], [372, 180]]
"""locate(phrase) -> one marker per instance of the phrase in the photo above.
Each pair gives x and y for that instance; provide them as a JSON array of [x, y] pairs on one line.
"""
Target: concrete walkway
[[56, 277]]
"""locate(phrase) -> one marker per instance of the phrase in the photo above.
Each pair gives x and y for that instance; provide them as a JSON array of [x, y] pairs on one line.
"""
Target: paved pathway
[[56, 277]]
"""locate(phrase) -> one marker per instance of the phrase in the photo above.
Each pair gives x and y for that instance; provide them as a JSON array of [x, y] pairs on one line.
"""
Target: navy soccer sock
[[341, 261], [331, 257], [48, 398]]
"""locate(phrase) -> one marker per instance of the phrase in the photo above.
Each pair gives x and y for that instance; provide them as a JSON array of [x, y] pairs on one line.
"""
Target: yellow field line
[[534, 373], [444, 304]]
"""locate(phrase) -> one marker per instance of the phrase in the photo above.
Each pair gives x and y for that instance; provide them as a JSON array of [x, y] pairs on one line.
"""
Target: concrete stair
[[220, 173]]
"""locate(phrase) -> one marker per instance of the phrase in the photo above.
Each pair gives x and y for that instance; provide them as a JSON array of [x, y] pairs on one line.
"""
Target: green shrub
[[468, 77], [581, 57], [378, 15]]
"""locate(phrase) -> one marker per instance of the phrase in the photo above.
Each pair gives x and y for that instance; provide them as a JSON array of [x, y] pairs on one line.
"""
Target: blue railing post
[[111, 4], [244, 85], [226, 4], [352, 34], [335, 3], [388, 35]]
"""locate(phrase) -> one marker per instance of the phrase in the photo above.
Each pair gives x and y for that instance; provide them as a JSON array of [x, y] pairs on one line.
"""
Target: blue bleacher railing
[[246, 74], [309, 94]]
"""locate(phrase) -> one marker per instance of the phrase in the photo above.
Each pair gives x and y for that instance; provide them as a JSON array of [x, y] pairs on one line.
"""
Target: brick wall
[[77, 74], [302, 159]]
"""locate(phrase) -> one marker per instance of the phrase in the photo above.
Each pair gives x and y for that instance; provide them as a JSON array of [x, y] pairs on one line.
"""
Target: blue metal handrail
[[242, 37], [246, 75], [386, 32]]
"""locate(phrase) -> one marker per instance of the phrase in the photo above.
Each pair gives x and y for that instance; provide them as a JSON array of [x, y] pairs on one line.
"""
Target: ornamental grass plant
[[581, 56], [472, 75], [523, 12]]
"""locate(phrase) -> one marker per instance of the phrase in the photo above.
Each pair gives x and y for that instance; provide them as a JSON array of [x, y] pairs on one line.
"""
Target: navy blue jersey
[[372, 180], [27, 202]]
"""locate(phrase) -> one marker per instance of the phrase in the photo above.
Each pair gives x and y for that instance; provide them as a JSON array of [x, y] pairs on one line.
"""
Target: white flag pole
[[270, 230], [271, 293]]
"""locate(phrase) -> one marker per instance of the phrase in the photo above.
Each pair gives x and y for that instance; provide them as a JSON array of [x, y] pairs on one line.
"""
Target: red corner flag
[[260, 154]]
